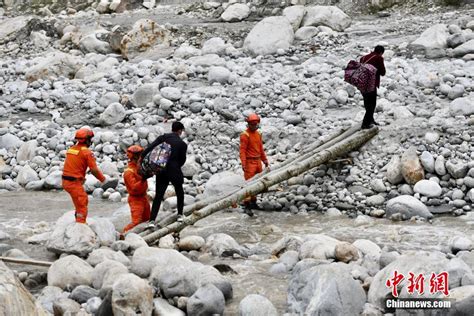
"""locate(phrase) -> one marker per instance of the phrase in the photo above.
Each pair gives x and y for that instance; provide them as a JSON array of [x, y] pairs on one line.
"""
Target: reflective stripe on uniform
[[73, 151]]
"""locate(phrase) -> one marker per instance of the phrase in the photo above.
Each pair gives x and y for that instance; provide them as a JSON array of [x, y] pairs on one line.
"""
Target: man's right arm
[[93, 166]]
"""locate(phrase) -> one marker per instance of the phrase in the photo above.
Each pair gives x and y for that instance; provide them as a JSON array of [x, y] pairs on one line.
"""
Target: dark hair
[[379, 49], [177, 126]]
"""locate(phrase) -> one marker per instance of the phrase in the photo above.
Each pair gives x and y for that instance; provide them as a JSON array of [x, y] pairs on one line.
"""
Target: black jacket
[[178, 153]]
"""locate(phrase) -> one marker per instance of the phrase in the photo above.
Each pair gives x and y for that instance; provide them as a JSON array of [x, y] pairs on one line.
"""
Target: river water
[[25, 213]]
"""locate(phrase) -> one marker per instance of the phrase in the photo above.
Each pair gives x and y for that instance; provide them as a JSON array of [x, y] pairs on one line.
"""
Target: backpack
[[361, 75], [156, 160]]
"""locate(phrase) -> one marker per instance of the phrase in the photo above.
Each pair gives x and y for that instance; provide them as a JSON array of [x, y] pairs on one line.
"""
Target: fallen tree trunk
[[26, 261], [323, 141], [338, 149]]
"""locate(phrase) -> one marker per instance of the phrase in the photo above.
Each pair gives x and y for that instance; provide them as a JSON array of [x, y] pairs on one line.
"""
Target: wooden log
[[344, 146], [26, 261]]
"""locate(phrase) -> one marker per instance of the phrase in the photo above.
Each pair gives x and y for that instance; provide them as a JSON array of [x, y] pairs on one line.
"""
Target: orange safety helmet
[[83, 134], [135, 149], [253, 118]]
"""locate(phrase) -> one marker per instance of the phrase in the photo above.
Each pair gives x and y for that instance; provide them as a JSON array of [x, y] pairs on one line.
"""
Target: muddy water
[[20, 213]]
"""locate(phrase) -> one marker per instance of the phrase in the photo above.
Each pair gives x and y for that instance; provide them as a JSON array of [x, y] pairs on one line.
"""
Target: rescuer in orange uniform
[[252, 155], [136, 187], [78, 158]]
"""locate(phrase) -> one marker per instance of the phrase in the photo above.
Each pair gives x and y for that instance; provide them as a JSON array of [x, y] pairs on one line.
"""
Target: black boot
[[248, 209]]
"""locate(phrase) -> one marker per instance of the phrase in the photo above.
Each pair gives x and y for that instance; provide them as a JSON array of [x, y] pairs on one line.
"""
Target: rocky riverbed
[[127, 75]]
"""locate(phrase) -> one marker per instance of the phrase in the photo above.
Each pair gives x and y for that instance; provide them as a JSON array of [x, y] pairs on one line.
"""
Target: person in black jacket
[[370, 98], [172, 173]]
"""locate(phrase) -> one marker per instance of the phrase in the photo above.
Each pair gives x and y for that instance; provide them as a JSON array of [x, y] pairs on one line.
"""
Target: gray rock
[[256, 305], [99, 255], [263, 40], [218, 74], [69, 271], [394, 170], [27, 151], [235, 12], [460, 243], [428, 188], [434, 37], [318, 246], [464, 49], [306, 32], [375, 200], [346, 252], [9, 141], [26, 175], [223, 244], [83, 293], [161, 307], [113, 114], [440, 166], [71, 237], [325, 289], [295, 15], [330, 16], [427, 161], [207, 300], [171, 93], [144, 94], [106, 272], [48, 295], [15, 299], [408, 207], [457, 169], [65, 306], [130, 294], [176, 274]]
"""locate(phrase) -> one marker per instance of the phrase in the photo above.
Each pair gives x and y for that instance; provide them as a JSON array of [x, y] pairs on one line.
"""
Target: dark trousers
[[162, 181], [370, 101]]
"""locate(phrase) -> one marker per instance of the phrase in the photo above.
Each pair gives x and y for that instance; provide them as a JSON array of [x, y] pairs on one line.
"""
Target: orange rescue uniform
[[78, 158], [252, 155], [137, 199]]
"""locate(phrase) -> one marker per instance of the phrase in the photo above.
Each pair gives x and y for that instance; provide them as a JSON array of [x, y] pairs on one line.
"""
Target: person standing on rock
[[78, 158], [370, 98], [137, 187], [252, 155], [172, 172]]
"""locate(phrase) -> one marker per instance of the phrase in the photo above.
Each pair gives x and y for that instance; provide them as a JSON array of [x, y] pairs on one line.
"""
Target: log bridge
[[325, 149]]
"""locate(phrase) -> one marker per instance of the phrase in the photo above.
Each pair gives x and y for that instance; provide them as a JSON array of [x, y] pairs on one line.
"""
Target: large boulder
[[318, 246], [10, 141], [263, 40], [26, 175], [27, 151], [330, 16], [131, 294], [14, 297], [434, 37], [295, 15], [462, 106], [407, 206], [92, 43], [48, 295], [144, 35], [256, 305], [223, 183], [99, 255], [10, 27], [54, 180], [69, 271], [53, 66], [207, 300], [235, 12], [412, 170], [324, 289], [464, 49], [113, 114], [105, 274], [417, 263], [71, 237], [223, 245], [175, 274]]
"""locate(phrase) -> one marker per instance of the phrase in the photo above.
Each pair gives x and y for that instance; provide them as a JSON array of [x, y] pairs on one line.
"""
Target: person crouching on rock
[[137, 187], [78, 158]]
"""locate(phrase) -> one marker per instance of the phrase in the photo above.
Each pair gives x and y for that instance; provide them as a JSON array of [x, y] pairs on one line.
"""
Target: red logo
[[416, 282]]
